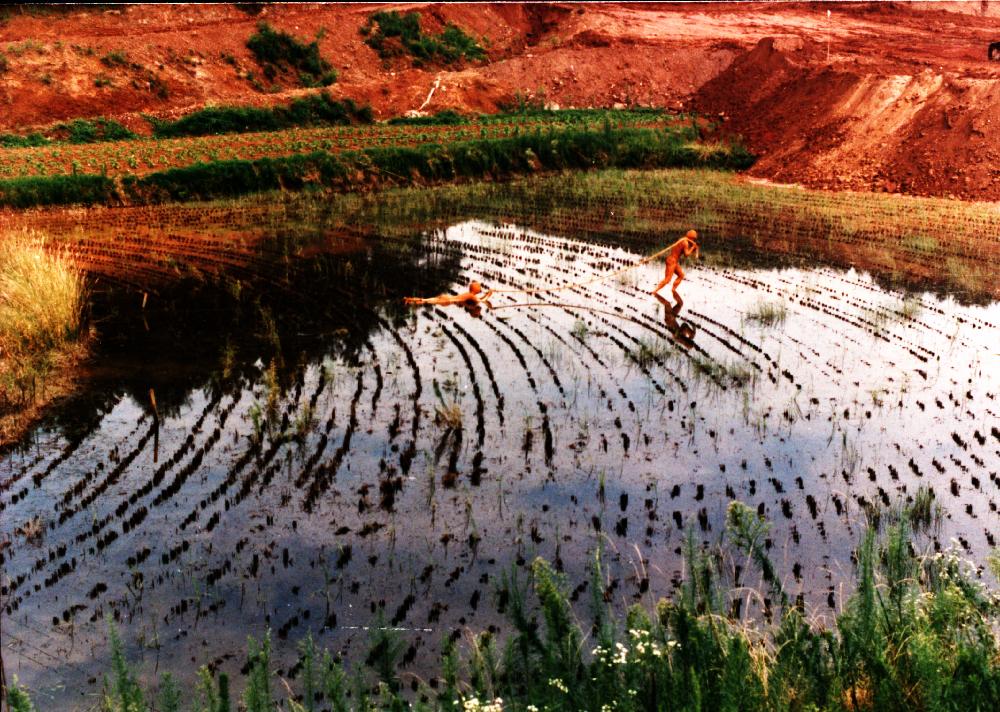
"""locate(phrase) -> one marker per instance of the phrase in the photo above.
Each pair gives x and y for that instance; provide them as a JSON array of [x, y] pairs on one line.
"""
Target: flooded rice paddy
[[321, 458]]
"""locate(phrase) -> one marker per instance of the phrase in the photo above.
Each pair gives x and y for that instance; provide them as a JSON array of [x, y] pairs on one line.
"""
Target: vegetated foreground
[[321, 459]]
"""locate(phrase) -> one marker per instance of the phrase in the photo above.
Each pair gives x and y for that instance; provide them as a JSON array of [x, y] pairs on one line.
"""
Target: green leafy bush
[[27, 141], [76, 131], [117, 58], [56, 190], [93, 130], [317, 110], [394, 34], [279, 52]]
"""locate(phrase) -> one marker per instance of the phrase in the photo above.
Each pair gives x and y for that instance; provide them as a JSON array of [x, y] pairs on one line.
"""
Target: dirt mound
[[843, 125], [749, 79], [878, 96]]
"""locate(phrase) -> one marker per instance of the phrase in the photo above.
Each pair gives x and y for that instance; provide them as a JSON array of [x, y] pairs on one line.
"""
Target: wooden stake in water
[[827, 36], [156, 426]]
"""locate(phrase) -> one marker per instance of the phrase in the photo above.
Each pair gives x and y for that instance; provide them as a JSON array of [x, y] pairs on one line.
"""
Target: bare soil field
[[880, 96]]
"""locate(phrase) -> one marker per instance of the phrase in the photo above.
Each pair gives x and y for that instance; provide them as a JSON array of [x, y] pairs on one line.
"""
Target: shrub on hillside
[[28, 141], [279, 52], [117, 58], [93, 130], [393, 34]]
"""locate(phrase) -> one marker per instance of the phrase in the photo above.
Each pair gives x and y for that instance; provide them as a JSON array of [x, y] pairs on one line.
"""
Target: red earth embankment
[[870, 96]]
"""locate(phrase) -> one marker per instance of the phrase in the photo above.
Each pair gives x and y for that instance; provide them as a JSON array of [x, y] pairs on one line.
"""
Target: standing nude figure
[[684, 247]]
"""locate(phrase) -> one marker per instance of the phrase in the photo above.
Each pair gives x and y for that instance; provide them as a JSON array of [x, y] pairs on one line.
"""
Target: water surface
[[323, 459]]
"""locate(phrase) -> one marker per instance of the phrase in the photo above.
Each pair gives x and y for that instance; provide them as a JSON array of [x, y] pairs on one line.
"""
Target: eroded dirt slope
[[881, 96]]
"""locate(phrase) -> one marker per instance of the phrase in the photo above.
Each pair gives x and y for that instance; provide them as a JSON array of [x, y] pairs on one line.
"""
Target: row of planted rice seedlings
[[102, 529], [911, 348], [142, 155]]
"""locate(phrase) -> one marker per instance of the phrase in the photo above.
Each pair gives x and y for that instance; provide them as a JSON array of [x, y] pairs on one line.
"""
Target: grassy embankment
[[918, 633], [41, 307], [553, 149]]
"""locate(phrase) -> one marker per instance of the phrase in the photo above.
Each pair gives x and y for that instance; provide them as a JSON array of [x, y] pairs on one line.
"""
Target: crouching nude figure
[[475, 295]]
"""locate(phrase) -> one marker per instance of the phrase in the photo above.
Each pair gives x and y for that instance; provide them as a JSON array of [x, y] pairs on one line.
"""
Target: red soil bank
[[880, 97]]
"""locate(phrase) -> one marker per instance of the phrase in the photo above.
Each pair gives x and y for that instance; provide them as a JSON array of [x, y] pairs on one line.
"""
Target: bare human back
[[474, 295]]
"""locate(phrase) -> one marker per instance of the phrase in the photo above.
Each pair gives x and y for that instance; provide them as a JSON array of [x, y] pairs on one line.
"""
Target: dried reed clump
[[41, 307]]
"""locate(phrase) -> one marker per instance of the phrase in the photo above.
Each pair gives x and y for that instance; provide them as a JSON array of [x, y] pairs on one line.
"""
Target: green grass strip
[[399, 165], [76, 189]]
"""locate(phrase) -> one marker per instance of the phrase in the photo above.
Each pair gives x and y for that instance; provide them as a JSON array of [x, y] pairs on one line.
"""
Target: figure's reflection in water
[[683, 332], [475, 310]]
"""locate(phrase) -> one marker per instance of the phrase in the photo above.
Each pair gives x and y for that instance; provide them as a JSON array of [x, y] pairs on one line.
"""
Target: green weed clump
[[93, 130], [768, 313], [76, 131], [115, 58], [279, 52], [317, 110], [394, 34], [27, 141]]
